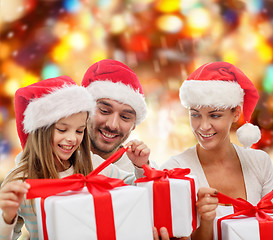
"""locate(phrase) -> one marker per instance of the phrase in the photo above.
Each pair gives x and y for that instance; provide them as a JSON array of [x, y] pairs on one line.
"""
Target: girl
[[214, 95], [51, 118]]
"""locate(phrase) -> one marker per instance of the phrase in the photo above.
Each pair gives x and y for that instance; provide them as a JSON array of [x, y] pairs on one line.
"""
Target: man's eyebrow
[[104, 103], [129, 111]]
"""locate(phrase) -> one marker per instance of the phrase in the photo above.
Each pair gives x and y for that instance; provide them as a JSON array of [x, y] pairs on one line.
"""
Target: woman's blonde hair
[[37, 161]]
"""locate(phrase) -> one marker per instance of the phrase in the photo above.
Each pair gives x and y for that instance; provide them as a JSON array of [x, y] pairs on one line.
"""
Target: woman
[[215, 94]]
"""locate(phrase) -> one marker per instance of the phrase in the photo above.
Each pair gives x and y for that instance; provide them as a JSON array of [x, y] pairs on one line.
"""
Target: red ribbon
[[161, 194], [246, 209], [97, 185]]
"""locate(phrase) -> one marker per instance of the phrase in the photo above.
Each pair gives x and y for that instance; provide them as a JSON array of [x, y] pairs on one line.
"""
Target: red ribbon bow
[[97, 185], [245, 208], [161, 194], [154, 174]]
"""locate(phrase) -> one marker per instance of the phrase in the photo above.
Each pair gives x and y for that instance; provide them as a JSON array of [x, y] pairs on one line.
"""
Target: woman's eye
[[215, 116], [79, 132], [194, 115]]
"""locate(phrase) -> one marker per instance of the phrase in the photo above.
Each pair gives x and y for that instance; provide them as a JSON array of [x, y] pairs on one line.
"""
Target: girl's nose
[[71, 138]]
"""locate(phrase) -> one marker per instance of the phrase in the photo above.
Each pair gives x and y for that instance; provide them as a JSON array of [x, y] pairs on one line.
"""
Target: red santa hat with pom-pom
[[44, 103], [114, 80], [222, 85]]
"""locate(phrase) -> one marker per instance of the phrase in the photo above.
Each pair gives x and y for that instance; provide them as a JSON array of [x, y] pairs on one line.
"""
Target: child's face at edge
[[68, 134]]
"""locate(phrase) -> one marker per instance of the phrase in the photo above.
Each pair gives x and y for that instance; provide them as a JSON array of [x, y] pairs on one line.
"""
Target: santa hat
[[222, 85], [44, 103], [114, 80]]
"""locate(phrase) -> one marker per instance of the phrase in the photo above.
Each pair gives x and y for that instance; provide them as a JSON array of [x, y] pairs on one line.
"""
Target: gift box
[[72, 215], [91, 207], [248, 222], [172, 195]]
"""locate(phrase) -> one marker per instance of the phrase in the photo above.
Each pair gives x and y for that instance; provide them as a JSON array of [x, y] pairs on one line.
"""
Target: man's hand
[[138, 153]]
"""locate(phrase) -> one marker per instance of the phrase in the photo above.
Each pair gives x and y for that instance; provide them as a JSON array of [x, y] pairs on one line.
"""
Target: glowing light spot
[[72, 5], [29, 79], [11, 85], [169, 23], [77, 41], [198, 21], [118, 24], [230, 56], [61, 52], [50, 70], [168, 6], [268, 80]]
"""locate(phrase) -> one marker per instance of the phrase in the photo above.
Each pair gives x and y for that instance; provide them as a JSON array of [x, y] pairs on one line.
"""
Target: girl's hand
[[11, 196], [138, 153]]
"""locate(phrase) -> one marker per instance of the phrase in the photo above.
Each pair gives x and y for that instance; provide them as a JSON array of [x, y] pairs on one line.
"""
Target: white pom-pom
[[248, 134]]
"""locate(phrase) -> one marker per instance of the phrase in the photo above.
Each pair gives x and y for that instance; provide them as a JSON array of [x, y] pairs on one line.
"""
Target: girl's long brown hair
[[37, 161]]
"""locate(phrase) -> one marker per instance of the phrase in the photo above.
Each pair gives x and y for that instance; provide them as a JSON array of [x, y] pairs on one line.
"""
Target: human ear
[[237, 113]]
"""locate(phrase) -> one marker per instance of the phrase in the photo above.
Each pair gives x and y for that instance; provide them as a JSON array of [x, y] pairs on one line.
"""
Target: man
[[120, 108]]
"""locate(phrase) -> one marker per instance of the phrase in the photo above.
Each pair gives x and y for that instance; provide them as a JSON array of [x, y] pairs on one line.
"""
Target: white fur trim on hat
[[121, 93], [213, 93], [60, 103]]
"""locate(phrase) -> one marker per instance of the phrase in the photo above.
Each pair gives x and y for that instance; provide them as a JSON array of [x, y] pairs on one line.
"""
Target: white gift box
[[181, 204], [246, 228], [70, 215]]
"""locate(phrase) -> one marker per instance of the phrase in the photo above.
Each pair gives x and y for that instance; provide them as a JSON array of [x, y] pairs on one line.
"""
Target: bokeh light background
[[161, 40]]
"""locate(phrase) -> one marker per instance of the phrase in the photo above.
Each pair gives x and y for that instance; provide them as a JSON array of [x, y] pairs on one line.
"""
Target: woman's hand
[[138, 153], [207, 203], [11, 196], [206, 206]]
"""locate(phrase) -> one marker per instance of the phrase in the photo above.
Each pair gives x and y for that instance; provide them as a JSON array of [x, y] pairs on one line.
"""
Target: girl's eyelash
[[61, 130]]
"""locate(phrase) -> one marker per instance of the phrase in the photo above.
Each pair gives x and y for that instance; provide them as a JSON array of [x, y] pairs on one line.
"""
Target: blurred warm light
[[11, 85], [77, 40], [169, 23], [117, 24], [86, 20], [230, 56], [4, 50], [198, 21], [29, 79], [11, 69], [168, 6], [264, 51], [269, 103], [186, 6], [97, 55], [61, 29], [60, 52], [11, 11]]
